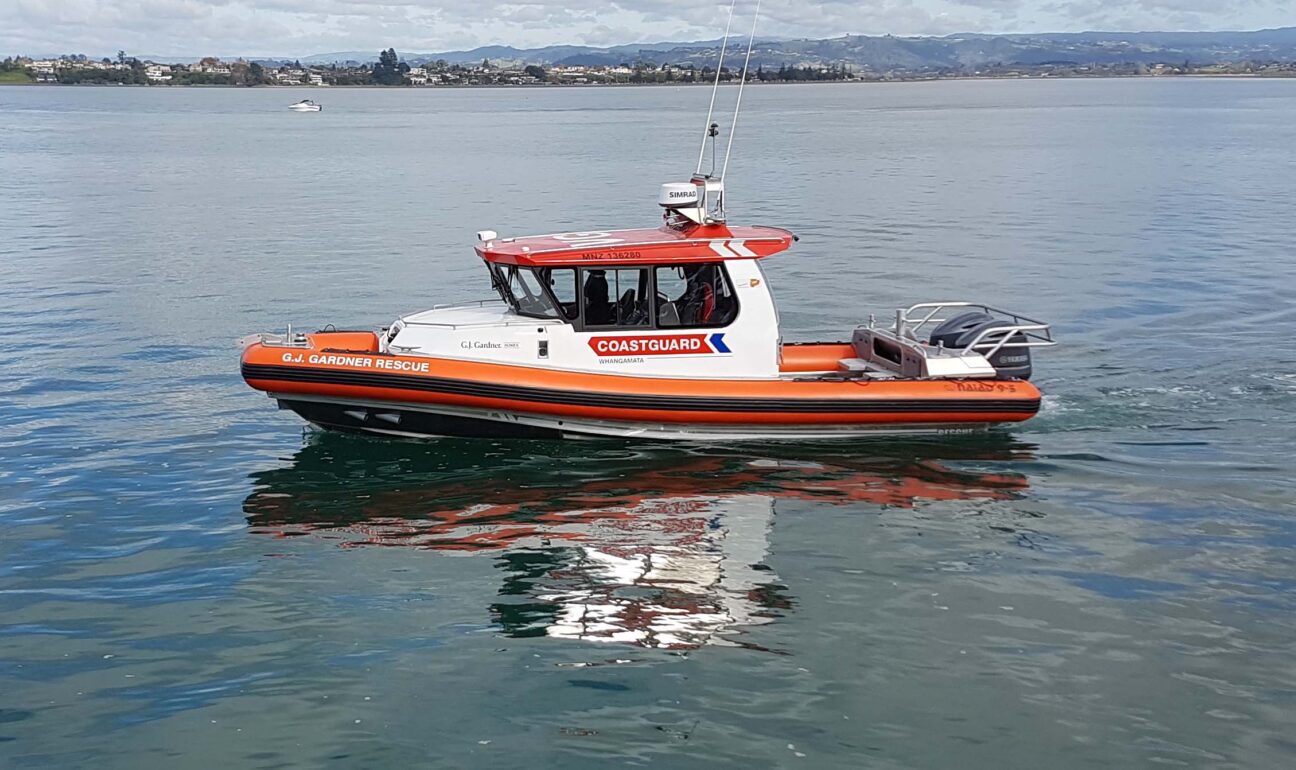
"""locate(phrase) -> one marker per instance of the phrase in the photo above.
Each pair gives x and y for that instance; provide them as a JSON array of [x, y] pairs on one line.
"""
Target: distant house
[[418, 76], [157, 73], [315, 79]]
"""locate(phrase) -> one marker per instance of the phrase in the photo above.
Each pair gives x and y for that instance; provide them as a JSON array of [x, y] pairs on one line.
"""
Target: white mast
[[702, 200], [751, 39]]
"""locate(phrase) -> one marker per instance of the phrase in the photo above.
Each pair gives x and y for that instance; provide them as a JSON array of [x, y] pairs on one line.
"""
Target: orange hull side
[[367, 375], [816, 357]]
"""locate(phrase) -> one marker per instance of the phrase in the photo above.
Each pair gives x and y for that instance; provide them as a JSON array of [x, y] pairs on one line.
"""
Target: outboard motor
[[959, 332]]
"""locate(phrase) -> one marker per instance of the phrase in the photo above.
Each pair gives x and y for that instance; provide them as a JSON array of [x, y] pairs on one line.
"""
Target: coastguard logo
[[660, 345]]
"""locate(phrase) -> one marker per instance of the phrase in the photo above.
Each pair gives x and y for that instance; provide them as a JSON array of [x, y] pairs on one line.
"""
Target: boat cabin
[[655, 279], [686, 299]]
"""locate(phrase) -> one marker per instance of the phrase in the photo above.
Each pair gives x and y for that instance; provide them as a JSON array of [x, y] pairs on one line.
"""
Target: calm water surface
[[188, 580]]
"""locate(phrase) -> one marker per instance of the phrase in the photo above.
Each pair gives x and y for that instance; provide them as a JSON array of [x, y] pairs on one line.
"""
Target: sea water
[[190, 580]]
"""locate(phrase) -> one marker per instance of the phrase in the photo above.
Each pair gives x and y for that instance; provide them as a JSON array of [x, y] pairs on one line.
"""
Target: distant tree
[[535, 71], [121, 57], [387, 72], [486, 64], [257, 74]]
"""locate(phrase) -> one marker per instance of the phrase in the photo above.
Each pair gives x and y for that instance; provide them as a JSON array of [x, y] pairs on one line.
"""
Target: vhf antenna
[[751, 39], [715, 88]]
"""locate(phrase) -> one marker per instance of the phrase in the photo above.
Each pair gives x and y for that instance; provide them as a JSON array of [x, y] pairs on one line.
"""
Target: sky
[[298, 28]]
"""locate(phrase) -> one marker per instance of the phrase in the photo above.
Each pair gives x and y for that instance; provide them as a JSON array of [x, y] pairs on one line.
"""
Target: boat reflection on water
[[650, 546]]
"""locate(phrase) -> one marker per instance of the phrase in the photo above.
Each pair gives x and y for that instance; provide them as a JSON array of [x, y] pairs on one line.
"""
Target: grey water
[[190, 580]]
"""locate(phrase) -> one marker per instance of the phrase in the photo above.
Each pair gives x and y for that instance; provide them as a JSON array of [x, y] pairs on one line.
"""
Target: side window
[[616, 297], [695, 295], [562, 282]]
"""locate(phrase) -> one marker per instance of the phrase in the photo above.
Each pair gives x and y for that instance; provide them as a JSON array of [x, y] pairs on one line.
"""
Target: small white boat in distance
[[305, 105]]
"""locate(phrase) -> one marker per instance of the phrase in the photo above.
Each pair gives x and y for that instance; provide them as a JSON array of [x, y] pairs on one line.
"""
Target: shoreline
[[879, 81]]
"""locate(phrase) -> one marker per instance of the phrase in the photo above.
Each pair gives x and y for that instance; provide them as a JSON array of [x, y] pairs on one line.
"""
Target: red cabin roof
[[665, 245]]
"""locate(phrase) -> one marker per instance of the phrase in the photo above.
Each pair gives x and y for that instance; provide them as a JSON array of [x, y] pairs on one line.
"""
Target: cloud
[[303, 27], [1170, 14]]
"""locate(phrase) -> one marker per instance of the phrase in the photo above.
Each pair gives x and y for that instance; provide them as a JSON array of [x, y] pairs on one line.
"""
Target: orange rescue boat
[[667, 333]]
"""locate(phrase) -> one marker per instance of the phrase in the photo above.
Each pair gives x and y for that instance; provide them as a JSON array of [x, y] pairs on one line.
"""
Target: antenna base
[[700, 200]]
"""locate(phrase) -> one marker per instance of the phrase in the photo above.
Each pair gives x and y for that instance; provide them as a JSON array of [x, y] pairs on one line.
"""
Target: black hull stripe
[[631, 400], [343, 417]]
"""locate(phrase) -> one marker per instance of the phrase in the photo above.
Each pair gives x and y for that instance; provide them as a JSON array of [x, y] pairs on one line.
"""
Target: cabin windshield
[[532, 292]]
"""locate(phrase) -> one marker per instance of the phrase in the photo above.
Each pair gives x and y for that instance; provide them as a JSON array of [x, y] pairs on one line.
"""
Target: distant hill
[[505, 54], [886, 52]]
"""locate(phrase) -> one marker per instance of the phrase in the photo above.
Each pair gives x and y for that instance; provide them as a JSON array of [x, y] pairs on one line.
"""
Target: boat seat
[[668, 314], [598, 305], [858, 368]]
